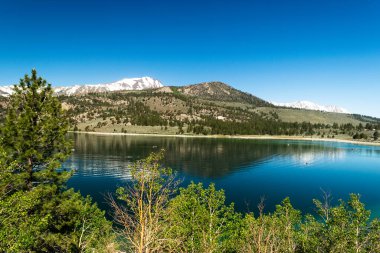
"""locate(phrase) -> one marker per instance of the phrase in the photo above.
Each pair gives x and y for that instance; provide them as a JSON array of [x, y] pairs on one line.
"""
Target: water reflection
[[198, 157], [246, 169]]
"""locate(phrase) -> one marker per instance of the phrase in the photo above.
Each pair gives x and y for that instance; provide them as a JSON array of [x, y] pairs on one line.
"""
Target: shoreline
[[243, 137]]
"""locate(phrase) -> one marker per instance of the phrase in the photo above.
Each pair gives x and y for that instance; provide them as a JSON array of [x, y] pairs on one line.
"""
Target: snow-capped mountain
[[313, 106], [142, 83], [6, 90]]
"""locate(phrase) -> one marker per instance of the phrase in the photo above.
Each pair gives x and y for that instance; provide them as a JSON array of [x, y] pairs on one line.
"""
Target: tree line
[[203, 117]]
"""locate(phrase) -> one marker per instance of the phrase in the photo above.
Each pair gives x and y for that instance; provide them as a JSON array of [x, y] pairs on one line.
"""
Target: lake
[[246, 169]]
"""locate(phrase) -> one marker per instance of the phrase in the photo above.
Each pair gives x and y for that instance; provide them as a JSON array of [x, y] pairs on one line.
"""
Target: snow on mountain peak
[[312, 106], [5, 91], [142, 83]]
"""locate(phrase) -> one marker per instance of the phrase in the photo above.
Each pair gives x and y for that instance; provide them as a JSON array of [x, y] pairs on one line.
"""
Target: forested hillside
[[206, 108]]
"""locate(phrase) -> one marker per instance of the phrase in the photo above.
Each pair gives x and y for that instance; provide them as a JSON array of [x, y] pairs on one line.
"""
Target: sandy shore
[[251, 137]]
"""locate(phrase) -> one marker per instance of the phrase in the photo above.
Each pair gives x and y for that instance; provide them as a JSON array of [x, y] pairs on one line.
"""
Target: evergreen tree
[[37, 213], [376, 135], [33, 135]]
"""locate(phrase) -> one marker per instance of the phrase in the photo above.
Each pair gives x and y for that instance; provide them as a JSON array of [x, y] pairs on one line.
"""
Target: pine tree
[[33, 135], [37, 213], [376, 135]]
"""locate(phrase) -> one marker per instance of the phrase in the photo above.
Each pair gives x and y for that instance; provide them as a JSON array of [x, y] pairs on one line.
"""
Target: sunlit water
[[246, 169]]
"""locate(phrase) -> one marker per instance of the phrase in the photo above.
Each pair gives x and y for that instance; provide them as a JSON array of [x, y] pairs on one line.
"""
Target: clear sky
[[326, 51]]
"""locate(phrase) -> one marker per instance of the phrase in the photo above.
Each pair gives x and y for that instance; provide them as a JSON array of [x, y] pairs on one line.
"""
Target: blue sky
[[326, 51]]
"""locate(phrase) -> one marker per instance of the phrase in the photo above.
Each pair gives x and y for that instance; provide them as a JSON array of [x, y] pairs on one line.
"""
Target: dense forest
[[151, 214]]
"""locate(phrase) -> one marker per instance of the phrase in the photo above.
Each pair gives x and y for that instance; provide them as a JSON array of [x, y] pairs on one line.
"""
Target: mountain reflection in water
[[246, 169]]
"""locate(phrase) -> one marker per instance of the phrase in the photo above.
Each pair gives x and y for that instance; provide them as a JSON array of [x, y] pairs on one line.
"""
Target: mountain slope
[[219, 91], [211, 100], [171, 110], [307, 105], [215, 91], [206, 108]]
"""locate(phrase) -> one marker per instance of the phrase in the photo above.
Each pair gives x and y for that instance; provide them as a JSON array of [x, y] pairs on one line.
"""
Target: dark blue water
[[246, 169]]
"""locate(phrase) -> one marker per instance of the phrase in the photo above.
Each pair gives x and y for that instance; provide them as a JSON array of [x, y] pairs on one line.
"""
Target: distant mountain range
[[142, 83], [6, 90], [207, 90], [312, 106], [209, 107]]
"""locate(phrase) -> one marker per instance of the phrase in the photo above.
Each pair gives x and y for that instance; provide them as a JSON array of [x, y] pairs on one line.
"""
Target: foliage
[[142, 212], [376, 135], [275, 232], [37, 213], [359, 136], [33, 135], [202, 222], [198, 220], [344, 228], [46, 220], [341, 229]]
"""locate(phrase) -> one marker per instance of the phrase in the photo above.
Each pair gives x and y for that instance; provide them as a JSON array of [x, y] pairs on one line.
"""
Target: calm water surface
[[246, 169]]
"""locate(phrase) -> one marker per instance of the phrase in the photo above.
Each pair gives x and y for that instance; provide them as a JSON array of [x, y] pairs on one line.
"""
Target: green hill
[[218, 91], [205, 108]]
